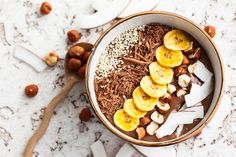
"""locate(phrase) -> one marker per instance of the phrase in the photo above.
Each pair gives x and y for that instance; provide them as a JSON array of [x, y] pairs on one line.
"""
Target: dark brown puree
[[122, 83]]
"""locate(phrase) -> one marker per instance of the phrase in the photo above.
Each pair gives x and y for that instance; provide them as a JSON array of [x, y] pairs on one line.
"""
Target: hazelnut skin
[[74, 64], [73, 35], [45, 8], [76, 51]]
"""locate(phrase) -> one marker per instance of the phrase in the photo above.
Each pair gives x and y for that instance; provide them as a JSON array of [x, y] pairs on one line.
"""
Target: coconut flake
[[126, 151], [137, 6], [30, 58], [199, 93], [175, 119], [202, 72], [98, 149], [103, 16]]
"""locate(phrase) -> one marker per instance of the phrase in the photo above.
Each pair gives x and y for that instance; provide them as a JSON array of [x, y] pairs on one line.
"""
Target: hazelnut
[[180, 70], [141, 132], [171, 88], [157, 117], [45, 8], [166, 98], [145, 120], [86, 56], [74, 64], [73, 35], [196, 54], [151, 128], [85, 114], [184, 80], [51, 58], [211, 30], [180, 92], [163, 107], [76, 51], [31, 90], [82, 71], [189, 49], [185, 61]]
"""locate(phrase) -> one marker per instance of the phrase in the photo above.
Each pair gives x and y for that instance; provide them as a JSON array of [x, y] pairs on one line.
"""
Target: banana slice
[[159, 74], [124, 121], [168, 58], [176, 40], [151, 88], [131, 109], [143, 101]]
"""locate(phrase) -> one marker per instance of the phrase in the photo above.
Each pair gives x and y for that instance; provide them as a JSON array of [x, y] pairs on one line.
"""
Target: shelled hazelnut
[[76, 51], [31, 90], [73, 35], [45, 8]]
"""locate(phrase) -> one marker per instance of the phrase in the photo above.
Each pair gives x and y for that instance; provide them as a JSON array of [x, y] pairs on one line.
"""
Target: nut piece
[[51, 58], [196, 54], [163, 107], [151, 128], [166, 98], [180, 70], [185, 61], [74, 64], [141, 132], [157, 117], [85, 114], [180, 92], [184, 80], [190, 49], [211, 30], [191, 68], [45, 8], [145, 120], [76, 51], [86, 56], [171, 88], [31, 90], [82, 71], [73, 35]]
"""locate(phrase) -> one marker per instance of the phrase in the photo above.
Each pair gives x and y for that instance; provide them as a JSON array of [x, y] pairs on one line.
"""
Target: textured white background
[[21, 24]]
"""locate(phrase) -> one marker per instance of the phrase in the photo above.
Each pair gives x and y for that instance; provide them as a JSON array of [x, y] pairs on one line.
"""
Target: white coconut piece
[[126, 151], [103, 16], [179, 130], [138, 6], [198, 93], [30, 58], [98, 149], [202, 72], [151, 128], [100, 4], [167, 151]]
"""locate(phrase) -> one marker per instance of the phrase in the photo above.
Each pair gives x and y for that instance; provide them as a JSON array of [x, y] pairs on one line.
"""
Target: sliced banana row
[[146, 96]]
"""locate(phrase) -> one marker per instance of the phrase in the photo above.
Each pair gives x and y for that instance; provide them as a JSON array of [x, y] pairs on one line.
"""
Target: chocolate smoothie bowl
[[155, 79]]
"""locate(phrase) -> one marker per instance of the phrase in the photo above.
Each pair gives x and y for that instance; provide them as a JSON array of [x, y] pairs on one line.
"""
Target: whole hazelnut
[[180, 70], [86, 56], [85, 114], [145, 120], [51, 58], [211, 30], [73, 35], [185, 61], [74, 64], [76, 51], [82, 71], [45, 8], [31, 90]]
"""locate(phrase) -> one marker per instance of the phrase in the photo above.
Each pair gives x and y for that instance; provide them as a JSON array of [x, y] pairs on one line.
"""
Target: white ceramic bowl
[[173, 20]]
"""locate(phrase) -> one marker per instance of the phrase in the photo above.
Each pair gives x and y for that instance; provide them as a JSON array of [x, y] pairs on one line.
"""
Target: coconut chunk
[[30, 58], [103, 16], [199, 93], [157, 117], [137, 6], [151, 128], [126, 151], [202, 72], [98, 149]]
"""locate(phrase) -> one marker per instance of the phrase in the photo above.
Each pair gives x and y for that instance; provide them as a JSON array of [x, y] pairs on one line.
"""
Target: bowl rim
[[184, 137]]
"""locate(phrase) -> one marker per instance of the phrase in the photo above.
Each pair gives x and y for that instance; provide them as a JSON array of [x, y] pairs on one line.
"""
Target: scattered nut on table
[[51, 58], [45, 8], [85, 114], [211, 30], [31, 90], [73, 35]]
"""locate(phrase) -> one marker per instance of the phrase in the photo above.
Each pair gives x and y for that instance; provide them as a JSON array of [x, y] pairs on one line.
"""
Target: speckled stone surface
[[21, 24]]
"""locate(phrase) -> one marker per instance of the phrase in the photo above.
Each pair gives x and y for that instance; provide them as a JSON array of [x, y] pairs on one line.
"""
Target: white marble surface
[[21, 24]]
